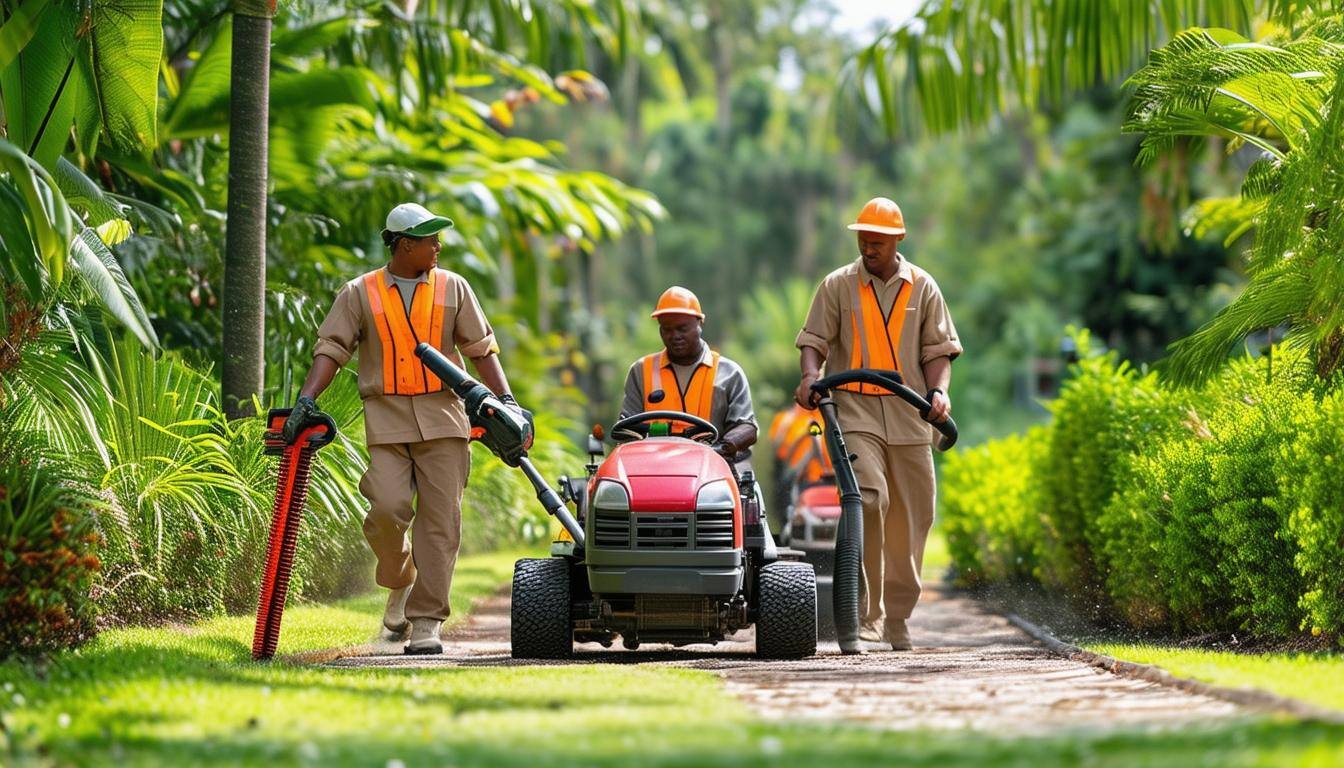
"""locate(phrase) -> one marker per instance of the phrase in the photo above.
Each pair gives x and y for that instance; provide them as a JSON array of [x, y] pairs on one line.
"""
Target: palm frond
[[959, 64], [1296, 265]]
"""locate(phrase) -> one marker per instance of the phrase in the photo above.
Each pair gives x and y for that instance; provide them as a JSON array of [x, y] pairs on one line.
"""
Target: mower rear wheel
[[786, 626], [539, 622]]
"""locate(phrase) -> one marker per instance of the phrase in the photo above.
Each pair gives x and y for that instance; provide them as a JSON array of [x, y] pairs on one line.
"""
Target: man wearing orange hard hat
[[688, 376], [881, 311]]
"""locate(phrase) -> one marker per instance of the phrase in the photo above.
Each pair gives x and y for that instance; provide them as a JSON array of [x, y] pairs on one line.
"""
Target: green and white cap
[[415, 220]]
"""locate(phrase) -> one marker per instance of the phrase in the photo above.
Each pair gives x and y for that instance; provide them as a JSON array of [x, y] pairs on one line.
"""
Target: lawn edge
[[1252, 698]]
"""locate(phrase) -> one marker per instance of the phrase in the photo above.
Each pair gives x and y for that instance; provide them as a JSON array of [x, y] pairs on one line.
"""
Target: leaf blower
[[849, 535]]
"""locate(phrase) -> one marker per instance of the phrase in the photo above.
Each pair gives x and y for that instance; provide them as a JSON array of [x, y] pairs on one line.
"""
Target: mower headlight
[[715, 495], [611, 495]]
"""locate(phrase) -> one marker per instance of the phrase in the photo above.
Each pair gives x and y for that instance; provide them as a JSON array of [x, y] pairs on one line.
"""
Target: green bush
[[1212, 510], [1105, 412], [988, 510], [1255, 416], [1316, 513], [48, 559], [1133, 528]]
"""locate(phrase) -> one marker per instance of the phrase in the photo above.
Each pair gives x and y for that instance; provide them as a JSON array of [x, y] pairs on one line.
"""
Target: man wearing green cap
[[416, 427]]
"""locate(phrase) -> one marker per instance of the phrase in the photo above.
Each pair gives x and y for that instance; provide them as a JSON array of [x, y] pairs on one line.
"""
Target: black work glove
[[300, 417], [509, 402]]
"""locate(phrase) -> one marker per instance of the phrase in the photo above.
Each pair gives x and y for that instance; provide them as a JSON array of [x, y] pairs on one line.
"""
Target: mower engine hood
[[664, 474]]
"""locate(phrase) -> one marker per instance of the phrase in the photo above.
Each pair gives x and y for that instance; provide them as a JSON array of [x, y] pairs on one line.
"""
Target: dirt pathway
[[970, 669]]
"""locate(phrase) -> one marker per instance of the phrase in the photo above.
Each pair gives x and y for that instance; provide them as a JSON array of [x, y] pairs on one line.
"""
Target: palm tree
[[1282, 97], [244, 303]]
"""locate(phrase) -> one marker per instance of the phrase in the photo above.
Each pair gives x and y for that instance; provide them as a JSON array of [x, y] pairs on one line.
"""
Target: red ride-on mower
[[676, 552]]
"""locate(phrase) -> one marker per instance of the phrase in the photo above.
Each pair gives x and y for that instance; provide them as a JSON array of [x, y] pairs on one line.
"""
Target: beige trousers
[[898, 487], [432, 474]]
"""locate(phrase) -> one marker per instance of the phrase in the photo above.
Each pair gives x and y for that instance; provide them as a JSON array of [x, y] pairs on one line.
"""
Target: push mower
[[668, 546]]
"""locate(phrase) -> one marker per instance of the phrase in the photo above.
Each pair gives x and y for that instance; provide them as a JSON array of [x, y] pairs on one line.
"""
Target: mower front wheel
[[786, 625], [539, 621]]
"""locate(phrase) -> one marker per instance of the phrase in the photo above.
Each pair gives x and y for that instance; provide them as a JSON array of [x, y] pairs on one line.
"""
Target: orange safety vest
[[661, 392], [778, 426], [877, 338], [400, 332]]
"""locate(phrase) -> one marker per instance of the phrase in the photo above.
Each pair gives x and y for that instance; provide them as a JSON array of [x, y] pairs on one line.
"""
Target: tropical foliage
[[1280, 96], [113, 183]]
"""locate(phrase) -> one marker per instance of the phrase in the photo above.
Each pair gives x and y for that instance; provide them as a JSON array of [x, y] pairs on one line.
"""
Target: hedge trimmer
[[291, 490]]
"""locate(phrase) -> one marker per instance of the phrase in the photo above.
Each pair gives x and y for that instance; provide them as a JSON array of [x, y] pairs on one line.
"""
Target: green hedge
[[1101, 419], [1210, 510], [992, 525]]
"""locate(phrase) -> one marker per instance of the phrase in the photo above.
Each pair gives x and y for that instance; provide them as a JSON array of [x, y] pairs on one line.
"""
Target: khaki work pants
[[898, 487], [432, 474]]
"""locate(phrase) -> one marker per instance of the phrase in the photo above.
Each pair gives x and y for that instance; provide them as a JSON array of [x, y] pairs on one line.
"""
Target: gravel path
[[970, 669]]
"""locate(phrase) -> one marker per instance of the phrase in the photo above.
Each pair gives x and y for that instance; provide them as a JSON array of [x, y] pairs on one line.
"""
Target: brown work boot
[[899, 636], [394, 615], [424, 637], [870, 632]]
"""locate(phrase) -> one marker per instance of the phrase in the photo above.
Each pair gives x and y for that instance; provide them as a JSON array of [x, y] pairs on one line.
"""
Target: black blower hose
[[848, 538]]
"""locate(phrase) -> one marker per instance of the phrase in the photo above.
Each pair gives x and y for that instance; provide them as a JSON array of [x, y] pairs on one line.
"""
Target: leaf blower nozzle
[[506, 430]]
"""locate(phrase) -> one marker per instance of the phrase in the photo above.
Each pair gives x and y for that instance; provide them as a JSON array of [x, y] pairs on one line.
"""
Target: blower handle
[[893, 383]]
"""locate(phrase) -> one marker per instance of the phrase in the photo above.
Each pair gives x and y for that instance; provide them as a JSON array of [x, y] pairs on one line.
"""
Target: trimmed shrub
[[1316, 513], [1253, 419], [1137, 539], [1104, 414], [988, 512], [1214, 510], [48, 559]]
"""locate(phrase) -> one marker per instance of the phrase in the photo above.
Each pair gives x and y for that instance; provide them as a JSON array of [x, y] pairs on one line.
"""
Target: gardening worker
[[687, 376], [416, 428], [881, 311]]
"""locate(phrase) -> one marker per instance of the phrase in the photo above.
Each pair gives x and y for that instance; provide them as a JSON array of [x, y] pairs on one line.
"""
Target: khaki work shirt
[[927, 334], [730, 407], [348, 329]]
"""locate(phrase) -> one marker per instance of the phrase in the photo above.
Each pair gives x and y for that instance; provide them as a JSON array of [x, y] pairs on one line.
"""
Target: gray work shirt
[[732, 394], [406, 287]]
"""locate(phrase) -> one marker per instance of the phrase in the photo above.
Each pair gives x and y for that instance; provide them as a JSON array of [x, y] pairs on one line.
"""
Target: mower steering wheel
[[638, 424]]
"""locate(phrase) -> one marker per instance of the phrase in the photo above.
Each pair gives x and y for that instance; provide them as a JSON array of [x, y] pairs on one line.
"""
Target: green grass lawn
[[1317, 678], [191, 696]]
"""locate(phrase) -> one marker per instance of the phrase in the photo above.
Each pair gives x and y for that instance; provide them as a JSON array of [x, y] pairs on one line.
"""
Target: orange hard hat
[[880, 215], [678, 301]]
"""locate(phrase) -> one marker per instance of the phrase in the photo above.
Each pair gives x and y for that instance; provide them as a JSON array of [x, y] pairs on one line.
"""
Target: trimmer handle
[[893, 383], [319, 432]]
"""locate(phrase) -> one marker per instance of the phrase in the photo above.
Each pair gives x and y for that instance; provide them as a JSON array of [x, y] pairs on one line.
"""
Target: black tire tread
[[786, 625], [539, 620]]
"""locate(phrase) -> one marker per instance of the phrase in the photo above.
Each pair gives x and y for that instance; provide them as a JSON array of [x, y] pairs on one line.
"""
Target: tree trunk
[[244, 302], [720, 35]]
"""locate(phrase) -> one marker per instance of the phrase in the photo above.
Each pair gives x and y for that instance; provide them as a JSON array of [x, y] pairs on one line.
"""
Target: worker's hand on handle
[[941, 406], [512, 404], [300, 417], [804, 395]]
